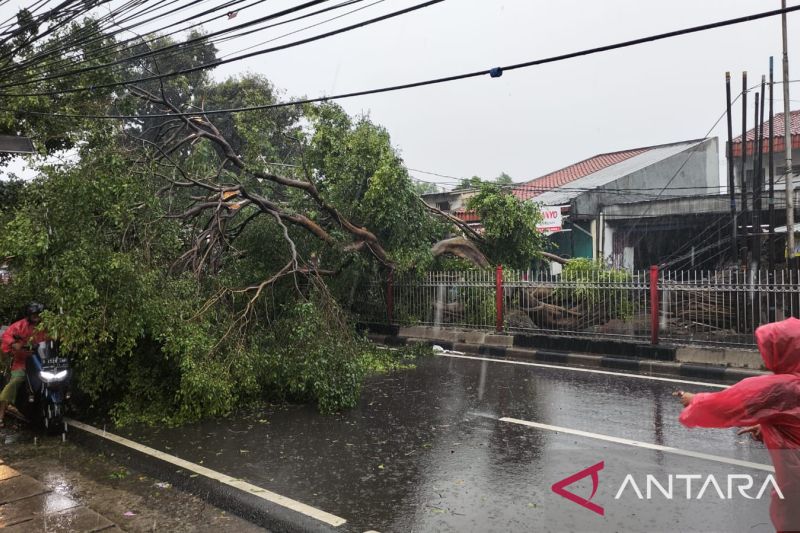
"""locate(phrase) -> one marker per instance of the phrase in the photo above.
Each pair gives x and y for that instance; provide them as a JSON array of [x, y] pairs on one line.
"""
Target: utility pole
[[771, 164], [731, 179], [771, 299], [787, 122], [742, 174], [758, 176]]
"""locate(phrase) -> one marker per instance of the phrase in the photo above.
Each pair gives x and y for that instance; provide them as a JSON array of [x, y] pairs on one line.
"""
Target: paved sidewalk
[[51, 485], [28, 505]]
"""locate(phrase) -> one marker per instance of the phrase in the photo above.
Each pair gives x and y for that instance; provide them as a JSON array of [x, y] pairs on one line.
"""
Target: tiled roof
[[779, 127], [527, 190], [779, 135]]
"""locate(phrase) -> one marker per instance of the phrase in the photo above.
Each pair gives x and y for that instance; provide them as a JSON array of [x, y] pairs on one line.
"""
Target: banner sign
[[551, 220]]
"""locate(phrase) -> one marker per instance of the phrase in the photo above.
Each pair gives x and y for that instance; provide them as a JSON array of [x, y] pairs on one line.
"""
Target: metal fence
[[724, 307], [708, 307], [454, 299]]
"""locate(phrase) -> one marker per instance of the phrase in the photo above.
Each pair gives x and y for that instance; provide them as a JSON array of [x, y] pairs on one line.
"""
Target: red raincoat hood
[[779, 344]]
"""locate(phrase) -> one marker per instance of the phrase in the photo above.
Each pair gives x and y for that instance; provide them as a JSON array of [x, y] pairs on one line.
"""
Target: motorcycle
[[43, 398]]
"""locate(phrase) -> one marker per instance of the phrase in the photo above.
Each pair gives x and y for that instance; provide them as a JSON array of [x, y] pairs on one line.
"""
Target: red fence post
[[390, 297], [498, 292], [654, 304]]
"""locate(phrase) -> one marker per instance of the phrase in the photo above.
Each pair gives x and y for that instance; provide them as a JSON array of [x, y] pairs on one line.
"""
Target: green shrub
[[310, 357], [595, 284]]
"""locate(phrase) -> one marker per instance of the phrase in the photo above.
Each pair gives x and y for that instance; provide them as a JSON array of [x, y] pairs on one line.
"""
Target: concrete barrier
[[727, 357], [699, 362]]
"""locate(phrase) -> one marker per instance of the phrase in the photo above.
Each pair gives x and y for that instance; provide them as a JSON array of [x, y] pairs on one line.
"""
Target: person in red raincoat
[[768, 407], [17, 342]]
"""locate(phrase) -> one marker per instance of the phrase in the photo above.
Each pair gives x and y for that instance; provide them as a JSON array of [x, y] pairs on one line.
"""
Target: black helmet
[[34, 308]]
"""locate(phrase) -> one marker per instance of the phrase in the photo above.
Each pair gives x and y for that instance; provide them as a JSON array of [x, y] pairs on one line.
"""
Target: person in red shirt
[[768, 407], [18, 342]]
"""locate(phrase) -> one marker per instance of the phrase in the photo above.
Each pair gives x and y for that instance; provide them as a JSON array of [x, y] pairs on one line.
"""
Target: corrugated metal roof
[[12, 144]]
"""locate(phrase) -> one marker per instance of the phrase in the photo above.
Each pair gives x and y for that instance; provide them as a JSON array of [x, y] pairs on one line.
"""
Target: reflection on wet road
[[426, 451]]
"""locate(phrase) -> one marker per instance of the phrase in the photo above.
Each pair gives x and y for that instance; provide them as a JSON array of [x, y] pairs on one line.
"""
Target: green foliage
[[473, 305], [155, 344], [119, 473], [269, 136], [422, 187], [475, 182], [10, 194], [360, 173], [380, 361], [504, 179], [592, 284], [479, 305], [313, 360], [314, 355], [509, 226], [53, 134]]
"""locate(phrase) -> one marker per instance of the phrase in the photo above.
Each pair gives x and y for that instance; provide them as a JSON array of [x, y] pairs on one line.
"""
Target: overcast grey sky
[[532, 121]]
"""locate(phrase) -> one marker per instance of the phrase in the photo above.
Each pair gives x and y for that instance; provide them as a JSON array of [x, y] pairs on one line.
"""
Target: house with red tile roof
[[779, 147], [583, 191], [566, 175], [694, 231]]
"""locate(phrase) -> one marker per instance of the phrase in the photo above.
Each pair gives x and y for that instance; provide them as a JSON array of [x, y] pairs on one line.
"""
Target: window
[[780, 171]]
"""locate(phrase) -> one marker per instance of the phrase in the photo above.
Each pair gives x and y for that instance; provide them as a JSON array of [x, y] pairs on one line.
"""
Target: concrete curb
[[248, 506], [715, 356], [617, 362]]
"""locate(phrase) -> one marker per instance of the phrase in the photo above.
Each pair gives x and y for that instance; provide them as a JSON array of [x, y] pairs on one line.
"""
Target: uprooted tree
[[192, 262]]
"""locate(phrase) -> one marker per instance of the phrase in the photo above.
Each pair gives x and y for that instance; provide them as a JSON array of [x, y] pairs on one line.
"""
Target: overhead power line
[[167, 48], [88, 35], [494, 72], [183, 48], [60, 13], [304, 28], [100, 23], [219, 62]]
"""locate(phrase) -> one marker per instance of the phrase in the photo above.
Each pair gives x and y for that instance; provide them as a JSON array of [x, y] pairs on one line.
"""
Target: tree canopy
[[509, 224], [475, 182], [194, 262]]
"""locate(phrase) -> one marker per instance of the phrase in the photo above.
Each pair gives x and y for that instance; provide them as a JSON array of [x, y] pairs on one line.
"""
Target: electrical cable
[[99, 25], [111, 49], [376, 2], [52, 14], [238, 58], [75, 40], [680, 168], [493, 72], [175, 46], [692, 241], [50, 29]]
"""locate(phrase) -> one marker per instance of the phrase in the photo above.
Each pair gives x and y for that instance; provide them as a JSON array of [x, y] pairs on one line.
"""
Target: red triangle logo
[[559, 487]]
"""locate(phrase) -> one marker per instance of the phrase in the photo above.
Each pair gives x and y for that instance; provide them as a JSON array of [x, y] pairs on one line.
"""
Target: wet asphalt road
[[426, 451]]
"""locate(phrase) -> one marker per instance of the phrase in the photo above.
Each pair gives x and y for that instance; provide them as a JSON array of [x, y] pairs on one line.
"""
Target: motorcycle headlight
[[49, 377]]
